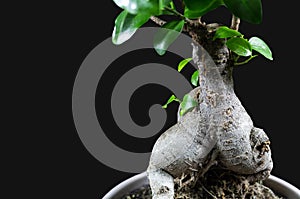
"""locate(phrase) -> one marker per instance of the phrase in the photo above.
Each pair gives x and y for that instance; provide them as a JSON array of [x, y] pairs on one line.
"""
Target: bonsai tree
[[213, 150]]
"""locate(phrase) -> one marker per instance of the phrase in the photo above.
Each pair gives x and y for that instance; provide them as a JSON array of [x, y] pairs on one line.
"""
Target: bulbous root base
[[212, 181], [217, 135]]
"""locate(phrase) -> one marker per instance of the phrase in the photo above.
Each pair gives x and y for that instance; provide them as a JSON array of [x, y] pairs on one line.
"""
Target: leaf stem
[[178, 14], [244, 62], [172, 5]]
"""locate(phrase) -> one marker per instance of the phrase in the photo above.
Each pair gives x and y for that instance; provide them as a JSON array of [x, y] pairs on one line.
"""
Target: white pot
[[278, 185]]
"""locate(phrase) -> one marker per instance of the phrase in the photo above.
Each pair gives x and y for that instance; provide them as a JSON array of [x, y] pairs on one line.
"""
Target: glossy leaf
[[187, 104], [126, 25], [191, 14], [167, 35], [225, 32], [152, 7], [183, 63], [197, 8], [195, 78], [240, 46], [171, 99], [250, 11], [260, 46]]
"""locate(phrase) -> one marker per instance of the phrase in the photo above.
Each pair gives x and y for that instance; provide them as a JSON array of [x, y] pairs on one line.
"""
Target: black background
[[53, 38]]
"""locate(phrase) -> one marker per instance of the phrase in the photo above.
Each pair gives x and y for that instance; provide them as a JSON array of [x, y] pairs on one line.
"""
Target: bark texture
[[218, 131]]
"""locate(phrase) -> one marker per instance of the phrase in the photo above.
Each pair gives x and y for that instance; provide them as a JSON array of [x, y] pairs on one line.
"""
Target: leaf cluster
[[241, 46], [137, 12]]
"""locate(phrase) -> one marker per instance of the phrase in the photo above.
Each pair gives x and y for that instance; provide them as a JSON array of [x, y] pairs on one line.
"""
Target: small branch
[[245, 62], [190, 23], [179, 15], [161, 22], [235, 22], [157, 20], [175, 12]]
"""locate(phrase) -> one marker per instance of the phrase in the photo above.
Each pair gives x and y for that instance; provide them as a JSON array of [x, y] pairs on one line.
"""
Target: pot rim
[[276, 184]]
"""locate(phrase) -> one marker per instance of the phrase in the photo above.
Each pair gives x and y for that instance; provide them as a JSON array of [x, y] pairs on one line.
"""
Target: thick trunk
[[218, 131], [217, 50]]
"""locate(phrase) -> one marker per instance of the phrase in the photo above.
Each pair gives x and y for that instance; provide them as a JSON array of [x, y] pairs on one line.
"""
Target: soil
[[214, 184]]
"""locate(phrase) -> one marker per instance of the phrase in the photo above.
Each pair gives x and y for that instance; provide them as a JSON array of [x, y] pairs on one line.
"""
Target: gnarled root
[[218, 130], [162, 184]]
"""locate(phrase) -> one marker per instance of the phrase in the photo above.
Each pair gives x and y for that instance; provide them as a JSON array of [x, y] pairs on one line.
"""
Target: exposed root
[[217, 183]]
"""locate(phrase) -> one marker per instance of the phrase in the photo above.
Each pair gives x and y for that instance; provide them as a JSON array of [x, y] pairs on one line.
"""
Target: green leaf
[[167, 35], [260, 46], [225, 32], [151, 7], [250, 11], [183, 63], [240, 46], [187, 104], [195, 78], [126, 25], [171, 99], [197, 8], [191, 14]]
